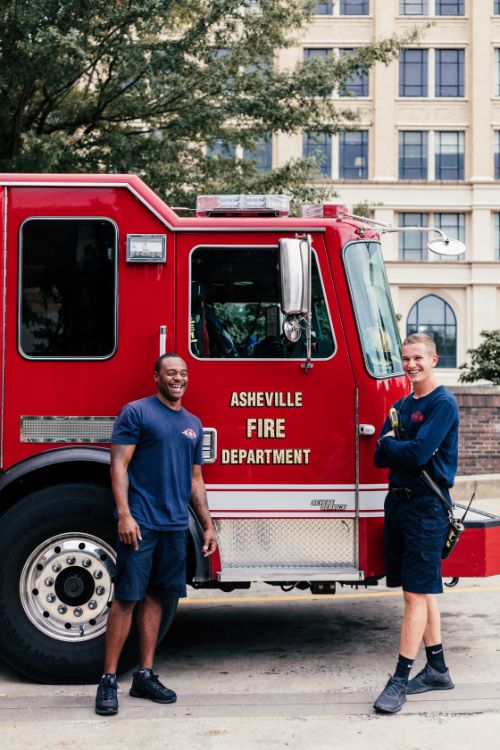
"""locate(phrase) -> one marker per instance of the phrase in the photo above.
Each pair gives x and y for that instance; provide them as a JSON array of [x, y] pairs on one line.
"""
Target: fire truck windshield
[[377, 326]]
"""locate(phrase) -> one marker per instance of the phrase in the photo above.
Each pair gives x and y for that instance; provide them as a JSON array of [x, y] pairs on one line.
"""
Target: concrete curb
[[486, 486]]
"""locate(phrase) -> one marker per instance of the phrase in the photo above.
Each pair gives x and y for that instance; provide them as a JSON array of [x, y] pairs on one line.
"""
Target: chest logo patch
[[417, 416], [188, 432]]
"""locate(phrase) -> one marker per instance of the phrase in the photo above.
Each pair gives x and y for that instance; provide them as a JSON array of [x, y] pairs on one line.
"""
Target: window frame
[[458, 14], [424, 151], [423, 67], [444, 324], [438, 154], [325, 168], [272, 246], [354, 307], [363, 14], [52, 358], [364, 153], [422, 235], [458, 71], [403, 11]]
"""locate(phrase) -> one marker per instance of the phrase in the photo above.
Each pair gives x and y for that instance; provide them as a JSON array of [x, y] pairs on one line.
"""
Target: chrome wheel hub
[[66, 586]]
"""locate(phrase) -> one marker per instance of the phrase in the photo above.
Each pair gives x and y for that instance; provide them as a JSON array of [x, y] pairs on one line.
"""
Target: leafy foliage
[[485, 360], [143, 85]]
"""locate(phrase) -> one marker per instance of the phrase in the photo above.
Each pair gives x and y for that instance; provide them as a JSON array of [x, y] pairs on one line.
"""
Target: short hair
[[422, 338], [167, 355]]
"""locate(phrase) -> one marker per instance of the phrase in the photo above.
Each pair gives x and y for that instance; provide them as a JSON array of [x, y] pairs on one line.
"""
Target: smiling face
[[419, 362], [171, 380]]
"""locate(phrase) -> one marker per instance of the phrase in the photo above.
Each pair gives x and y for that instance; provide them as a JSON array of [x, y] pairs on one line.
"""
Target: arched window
[[432, 315]]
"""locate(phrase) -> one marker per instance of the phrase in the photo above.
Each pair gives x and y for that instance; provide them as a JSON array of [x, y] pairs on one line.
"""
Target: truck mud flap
[[477, 553]]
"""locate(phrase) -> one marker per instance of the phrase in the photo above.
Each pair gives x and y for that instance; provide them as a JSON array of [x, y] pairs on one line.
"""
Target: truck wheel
[[56, 584]]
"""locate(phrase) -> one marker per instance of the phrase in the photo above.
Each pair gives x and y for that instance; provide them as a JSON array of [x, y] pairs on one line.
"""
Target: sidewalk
[[486, 487]]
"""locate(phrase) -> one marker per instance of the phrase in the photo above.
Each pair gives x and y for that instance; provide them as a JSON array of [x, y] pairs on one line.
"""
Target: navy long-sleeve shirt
[[430, 439]]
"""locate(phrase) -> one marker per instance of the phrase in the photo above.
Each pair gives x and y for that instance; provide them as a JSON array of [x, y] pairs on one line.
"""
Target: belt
[[406, 493]]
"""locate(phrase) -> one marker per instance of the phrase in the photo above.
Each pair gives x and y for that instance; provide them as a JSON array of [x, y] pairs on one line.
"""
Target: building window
[[319, 147], [221, 149], [496, 7], [450, 7], [449, 157], [68, 289], [496, 73], [353, 155], [357, 83], [497, 236], [354, 7], [413, 155], [261, 154], [324, 9], [413, 7], [413, 72], [453, 225], [413, 245], [432, 315], [310, 52], [450, 72], [235, 306], [497, 154]]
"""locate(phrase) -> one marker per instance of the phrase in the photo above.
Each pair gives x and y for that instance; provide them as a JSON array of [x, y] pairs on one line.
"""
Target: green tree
[[143, 85], [484, 360]]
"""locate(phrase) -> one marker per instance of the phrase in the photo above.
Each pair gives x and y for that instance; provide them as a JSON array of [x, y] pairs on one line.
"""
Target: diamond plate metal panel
[[287, 542]]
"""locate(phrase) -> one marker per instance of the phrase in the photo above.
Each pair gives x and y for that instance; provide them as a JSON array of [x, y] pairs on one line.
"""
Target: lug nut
[[49, 581], [87, 562], [71, 560], [97, 574], [56, 567], [62, 609], [51, 598], [92, 604], [100, 590], [78, 611]]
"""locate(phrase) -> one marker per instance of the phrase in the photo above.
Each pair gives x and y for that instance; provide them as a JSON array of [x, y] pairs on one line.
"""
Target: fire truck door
[[281, 473]]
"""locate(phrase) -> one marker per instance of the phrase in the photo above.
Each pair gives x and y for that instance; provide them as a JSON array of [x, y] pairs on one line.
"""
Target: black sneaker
[[106, 700], [392, 696], [147, 685], [430, 679]]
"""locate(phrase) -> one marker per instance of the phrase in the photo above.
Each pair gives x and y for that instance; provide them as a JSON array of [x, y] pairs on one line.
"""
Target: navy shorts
[[414, 535], [157, 567]]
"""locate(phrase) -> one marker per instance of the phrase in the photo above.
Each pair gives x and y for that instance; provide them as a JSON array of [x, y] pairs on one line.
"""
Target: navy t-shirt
[[431, 440], [168, 442]]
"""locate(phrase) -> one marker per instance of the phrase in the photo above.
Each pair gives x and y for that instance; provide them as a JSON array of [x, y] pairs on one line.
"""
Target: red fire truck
[[293, 351]]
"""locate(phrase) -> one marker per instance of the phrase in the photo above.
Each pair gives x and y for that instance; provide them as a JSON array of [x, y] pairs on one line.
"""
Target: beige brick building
[[427, 153]]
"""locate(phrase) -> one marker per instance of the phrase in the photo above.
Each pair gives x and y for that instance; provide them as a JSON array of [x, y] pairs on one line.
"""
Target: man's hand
[[391, 433], [209, 542], [129, 531]]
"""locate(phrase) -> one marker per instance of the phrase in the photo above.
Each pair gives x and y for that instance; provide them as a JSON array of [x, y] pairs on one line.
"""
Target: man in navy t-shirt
[[156, 457], [416, 523]]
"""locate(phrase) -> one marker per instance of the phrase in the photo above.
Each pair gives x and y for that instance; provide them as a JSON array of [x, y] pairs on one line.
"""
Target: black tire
[[57, 551]]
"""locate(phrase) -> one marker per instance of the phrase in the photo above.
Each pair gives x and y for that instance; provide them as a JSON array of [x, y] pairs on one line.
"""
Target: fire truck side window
[[68, 289], [235, 308], [377, 326]]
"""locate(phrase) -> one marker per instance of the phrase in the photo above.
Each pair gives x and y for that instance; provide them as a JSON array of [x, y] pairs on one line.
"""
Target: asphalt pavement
[[267, 669]]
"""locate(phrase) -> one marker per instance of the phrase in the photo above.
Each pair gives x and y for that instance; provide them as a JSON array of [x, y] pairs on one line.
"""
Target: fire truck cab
[[294, 357]]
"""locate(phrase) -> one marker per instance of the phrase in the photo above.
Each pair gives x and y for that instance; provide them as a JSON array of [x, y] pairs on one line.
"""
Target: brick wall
[[479, 437]]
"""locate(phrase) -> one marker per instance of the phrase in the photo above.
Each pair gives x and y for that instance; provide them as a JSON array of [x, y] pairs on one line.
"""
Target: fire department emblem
[[188, 432], [417, 416]]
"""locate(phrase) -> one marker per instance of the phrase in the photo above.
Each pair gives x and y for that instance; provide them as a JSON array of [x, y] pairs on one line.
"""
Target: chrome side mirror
[[295, 273], [446, 246]]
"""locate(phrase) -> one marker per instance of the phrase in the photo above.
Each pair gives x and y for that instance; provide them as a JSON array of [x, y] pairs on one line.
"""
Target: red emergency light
[[326, 210]]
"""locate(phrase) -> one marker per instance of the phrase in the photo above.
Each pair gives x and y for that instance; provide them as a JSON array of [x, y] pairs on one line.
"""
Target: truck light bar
[[242, 205], [326, 210]]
